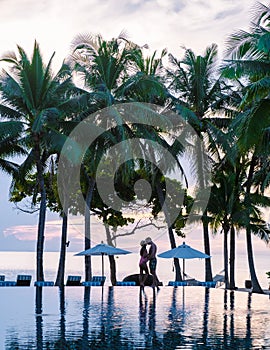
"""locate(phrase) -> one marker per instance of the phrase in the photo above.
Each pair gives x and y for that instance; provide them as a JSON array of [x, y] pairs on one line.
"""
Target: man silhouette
[[152, 260]]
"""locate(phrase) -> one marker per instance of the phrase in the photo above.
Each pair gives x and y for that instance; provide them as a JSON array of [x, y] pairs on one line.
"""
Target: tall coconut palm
[[147, 85], [200, 93], [33, 97], [248, 55], [103, 66], [225, 206]]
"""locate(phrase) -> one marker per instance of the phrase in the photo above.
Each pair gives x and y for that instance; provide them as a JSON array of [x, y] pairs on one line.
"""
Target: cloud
[[160, 23], [29, 232]]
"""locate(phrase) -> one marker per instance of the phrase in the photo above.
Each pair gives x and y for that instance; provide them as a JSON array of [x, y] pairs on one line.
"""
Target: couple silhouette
[[148, 256]]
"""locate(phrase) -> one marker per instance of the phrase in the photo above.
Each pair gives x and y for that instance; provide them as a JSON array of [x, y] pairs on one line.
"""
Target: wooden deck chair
[[73, 281], [95, 281], [23, 280], [100, 279]]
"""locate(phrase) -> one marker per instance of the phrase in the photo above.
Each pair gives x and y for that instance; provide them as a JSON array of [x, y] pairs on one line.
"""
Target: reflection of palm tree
[[248, 323], [109, 335], [205, 315], [173, 337], [225, 319], [62, 317], [39, 321], [152, 336], [61, 342], [232, 316], [110, 307], [86, 305]]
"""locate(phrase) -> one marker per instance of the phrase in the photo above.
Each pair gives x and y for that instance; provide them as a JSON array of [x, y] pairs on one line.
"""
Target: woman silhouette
[[143, 264]]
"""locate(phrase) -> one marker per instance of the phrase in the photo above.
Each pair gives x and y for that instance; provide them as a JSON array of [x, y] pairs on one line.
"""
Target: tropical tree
[[103, 64], [200, 94], [9, 145], [248, 55], [34, 98], [147, 83]]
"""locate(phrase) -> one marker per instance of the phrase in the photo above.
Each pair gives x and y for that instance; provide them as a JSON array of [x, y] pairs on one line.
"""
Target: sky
[[169, 24]]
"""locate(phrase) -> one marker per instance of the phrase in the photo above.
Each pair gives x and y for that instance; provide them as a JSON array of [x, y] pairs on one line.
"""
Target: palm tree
[[9, 145], [103, 65], [248, 58], [107, 68], [225, 206], [200, 93], [147, 83], [33, 97]]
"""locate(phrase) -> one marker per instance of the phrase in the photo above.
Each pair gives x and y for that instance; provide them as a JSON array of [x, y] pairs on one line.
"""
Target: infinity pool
[[127, 318]]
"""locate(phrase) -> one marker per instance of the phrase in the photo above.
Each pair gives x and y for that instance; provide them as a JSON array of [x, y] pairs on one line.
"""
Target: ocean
[[14, 263]]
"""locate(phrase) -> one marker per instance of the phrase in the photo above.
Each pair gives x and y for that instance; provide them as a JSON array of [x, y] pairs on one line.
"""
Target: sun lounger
[[91, 284], [100, 279], [95, 281], [211, 284], [177, 283], [44, 284], [8, 283], [24, 280], [122, 283], [73, 281]]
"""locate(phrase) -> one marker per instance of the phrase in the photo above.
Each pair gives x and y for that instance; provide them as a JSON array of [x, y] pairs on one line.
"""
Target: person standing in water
[[143, 264], [152, 261]]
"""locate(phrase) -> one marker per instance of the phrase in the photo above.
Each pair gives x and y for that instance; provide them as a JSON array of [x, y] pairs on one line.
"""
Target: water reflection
[[176, 317], [205, 316], [61, 342], [143, 303], [86, 307], [130, 318], [248, 321], [232, 316], [39, 320], [225, 318]]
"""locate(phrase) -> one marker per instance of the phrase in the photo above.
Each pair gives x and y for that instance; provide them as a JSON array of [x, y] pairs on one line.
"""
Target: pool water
[[129, 318]]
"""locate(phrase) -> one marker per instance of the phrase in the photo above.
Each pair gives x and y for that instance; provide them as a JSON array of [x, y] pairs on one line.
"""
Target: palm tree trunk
[[256, 288], [87, 228], [208, 266], [111, 257], [178, 275], [232, 258], [225, 256], [42, 217], [61, 266]]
